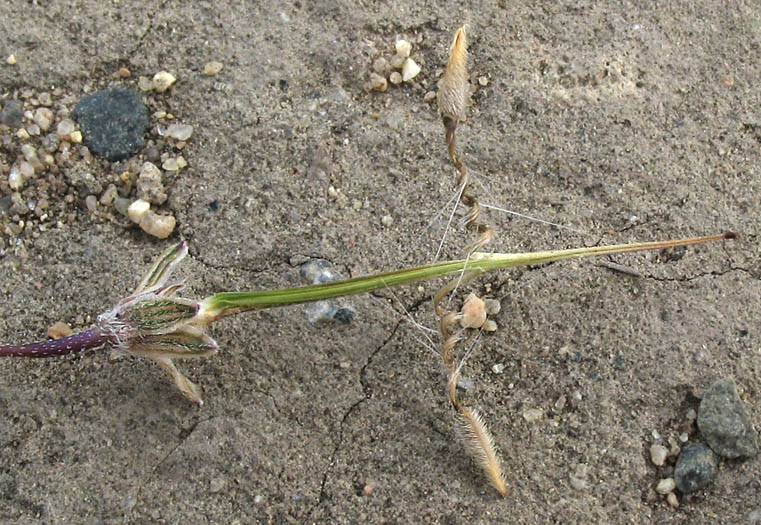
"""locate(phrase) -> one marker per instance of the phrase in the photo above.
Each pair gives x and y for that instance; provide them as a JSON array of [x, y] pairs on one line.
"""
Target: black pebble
[[695, 467], [12, 113], [113, 122], [344, 315]]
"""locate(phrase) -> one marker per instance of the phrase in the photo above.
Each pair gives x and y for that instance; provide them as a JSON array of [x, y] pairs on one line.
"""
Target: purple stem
[[78, 342]]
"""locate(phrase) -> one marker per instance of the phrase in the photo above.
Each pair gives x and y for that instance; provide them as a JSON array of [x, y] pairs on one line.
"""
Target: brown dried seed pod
[[453, 87]]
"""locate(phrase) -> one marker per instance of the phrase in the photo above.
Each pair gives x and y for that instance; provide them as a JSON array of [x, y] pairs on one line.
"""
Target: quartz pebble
[[149, 184], [665, 486], [11, 60], [91, 203], [403, 48], [160, 226], [212, 68], [658, 454], [65, 127], [179, 131], [170, 164], [162, 81], [395, 78], [43, 117], [16, 179], [410, 70], [533, 414], [137, 210]]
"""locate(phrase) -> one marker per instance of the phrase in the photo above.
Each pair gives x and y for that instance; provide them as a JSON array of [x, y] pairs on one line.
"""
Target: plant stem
[[227, 303], [72, 344]]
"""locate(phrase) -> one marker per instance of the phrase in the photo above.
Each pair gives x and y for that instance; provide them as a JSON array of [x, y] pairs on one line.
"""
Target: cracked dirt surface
[[627, 121]]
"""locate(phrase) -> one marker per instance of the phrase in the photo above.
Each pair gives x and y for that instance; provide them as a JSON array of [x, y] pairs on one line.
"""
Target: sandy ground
[[628, 121]]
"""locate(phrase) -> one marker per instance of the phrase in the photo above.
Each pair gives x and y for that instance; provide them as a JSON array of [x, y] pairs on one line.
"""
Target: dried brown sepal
[[453, 87]]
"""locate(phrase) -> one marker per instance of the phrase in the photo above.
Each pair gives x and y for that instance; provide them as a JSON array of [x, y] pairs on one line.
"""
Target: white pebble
[[170, 164], [533, 414], [162, 81], [160, 226], [11, 60], [403, 48], [410, 70], [658, 454], [181, 162], [489, 326], [138, 210], [665, 486], [65, 127], [16, 179], [498, 368], [212, 68], [43, 117], [75, 137], [179, 131], [672, 500], [387, 220], [395, 78]]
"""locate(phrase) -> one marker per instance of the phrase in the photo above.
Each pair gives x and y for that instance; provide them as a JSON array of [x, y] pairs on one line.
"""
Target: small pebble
[[122, 204], [533, 414], [59, 329], [181, 162], [397, 62], [483, 81], [498, 368], [43, 117], [138, 210], [216, 485], [212, 68], [493, 306], [114, 121], [45, 99], [170, 164], [91, 203], [658, 454], [162, 81], [26, 169], [381, 66], [108, 196], [489, 326], [144, 84], [695, 467], [369, 487], [429, 96], [149, 184], [665, 486], [387, 220], [672, 500], [377, 83], [410, 70], [724, 422], [179, 131], [12, 113], [160, 226], [395, 78], [124, 72], [65, 127], [11, 60], [403, 48], [76, 137], [16, 179]]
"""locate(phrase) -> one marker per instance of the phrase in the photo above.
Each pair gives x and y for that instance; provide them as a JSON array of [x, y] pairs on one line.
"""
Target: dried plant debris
[[453, 96]]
